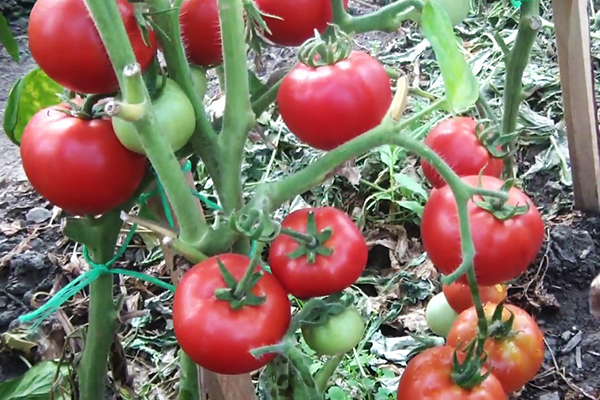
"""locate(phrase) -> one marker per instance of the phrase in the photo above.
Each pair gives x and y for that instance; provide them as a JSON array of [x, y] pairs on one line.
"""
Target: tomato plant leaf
[[36, 384], [8, 40], [462, 88], [28, 95]]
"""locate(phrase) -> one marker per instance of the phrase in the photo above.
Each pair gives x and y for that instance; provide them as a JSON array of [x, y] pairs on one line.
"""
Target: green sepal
[[227, 277], [468, 373], [498, 329], [500, 209]]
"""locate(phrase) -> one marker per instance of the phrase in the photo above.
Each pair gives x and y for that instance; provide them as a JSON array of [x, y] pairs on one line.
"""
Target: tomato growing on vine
[[338, 335], [79, 164], [459, 296], [456, 141], [66, 45], [201, 32], [504, 248], [515, 351], [322, 275], [328, 105], [218, 337]]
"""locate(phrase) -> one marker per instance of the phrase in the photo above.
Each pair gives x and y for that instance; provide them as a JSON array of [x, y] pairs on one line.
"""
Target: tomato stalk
[[529, 25], [204, 138], [238, 118], [326, 372], [387, 19], [189, 389], [100, 236], [106, 17], [261, 104]]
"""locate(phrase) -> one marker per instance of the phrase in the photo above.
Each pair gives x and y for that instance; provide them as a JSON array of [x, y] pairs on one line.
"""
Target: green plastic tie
[[518, 3]]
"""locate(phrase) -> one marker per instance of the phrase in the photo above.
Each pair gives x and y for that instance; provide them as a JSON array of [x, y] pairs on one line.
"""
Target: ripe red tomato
[[428, 377], [330, 105], [297, 20], [514, 360], [503, 249], [214, 335], [66, 44], [456, 141], [329, 274], [79, 165], [459, 297], [201, 31]]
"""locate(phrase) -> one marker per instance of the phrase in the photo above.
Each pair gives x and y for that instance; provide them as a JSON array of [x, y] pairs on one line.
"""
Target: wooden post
[[571, 22]]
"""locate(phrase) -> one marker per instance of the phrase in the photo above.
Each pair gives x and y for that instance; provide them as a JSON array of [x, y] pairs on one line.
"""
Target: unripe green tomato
[[457, 10], [199, 79], [340, 334], [440, 316], [175, 117]]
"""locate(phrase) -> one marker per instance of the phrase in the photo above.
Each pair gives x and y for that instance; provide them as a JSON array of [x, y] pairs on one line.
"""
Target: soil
[[555, 289]]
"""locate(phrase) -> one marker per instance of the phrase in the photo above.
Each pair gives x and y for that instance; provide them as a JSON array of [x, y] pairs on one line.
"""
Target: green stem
[[261, 104], [517, 61], [100, 236], [484, 109], [88, 104], [387, 19], [307, 239], [107, 18], [326, 372], [189, 389], [204, 138], [482, 322], [242, 287], [238, 118]]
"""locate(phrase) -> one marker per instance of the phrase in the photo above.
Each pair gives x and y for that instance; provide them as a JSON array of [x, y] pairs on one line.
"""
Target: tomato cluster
[[220, 338]]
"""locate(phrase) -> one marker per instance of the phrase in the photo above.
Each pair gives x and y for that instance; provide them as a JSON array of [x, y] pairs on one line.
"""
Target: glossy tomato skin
[[503, 249], [78, 165], [515, 360], [67, 46], [201, 31], [215, 336], [427, 377], [174, 115], [456, 141], [297, 20], [340, 334], [459, 296], [327, 275], [330, 105]]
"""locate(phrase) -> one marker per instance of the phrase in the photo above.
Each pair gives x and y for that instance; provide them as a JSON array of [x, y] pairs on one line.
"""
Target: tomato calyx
[[239, 294], [321, 51], [492, 140], [468, 374], [499, 329], [311, 243], [499, 208], [83, 109]]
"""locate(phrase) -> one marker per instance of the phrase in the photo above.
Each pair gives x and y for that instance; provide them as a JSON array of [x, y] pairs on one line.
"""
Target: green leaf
[[410, 183], [335, 393], [413, 206], [29, 95], [35, 384], [257, 88], [8, 40], [462, 88]]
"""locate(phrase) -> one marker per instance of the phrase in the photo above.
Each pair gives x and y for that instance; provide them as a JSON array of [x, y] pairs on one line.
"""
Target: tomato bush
[[328, 274], [428, 377], [340, 334], [459, 296], [201, 32], [296, 20], [79, 165], [327, 106], [514, 359], [503, 249], [214, 335], [67, 46], [456, 141], [440, 316], [174, 115]]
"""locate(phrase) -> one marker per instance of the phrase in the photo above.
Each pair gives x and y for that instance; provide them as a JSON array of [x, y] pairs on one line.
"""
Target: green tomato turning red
[[175, 117], [340, 334]]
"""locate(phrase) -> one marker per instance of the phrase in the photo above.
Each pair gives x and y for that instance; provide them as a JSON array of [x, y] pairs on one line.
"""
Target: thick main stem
[[108, 21], [204, 138], [326, 372], [238, 118], [517, 61], [189, 389]]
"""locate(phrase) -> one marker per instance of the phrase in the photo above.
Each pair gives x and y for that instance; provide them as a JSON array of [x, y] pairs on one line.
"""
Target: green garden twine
[[96, 270]]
